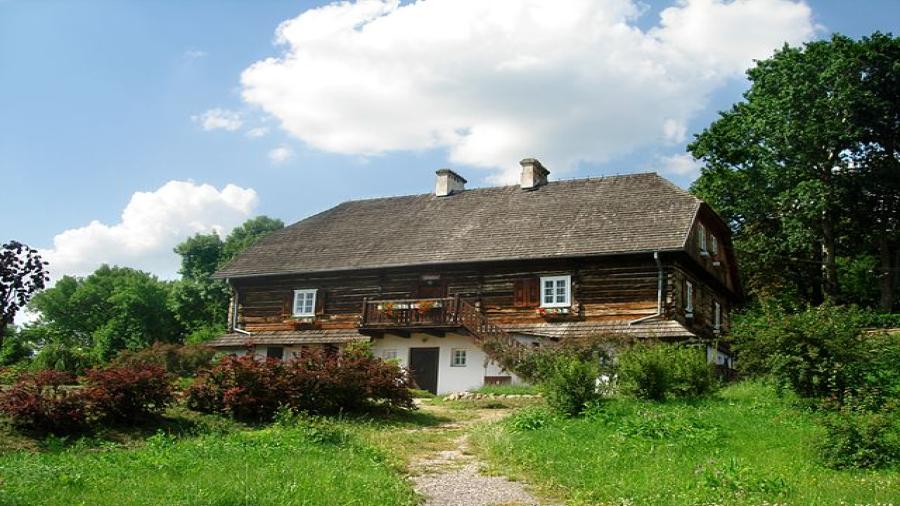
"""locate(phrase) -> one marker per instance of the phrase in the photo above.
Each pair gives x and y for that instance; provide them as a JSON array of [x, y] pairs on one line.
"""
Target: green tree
[[200, 255], [199, 302], [799, 166], [112, 309], [249, 232]]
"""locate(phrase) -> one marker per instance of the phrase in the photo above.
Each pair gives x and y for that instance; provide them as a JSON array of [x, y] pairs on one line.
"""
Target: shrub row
[[248, 388], [53, 402]]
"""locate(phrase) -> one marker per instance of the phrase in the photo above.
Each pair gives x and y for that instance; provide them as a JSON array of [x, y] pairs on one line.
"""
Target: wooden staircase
[[504, 349]]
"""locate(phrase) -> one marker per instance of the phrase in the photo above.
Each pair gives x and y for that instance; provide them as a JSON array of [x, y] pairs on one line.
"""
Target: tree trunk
[[816, 277], [886, 276], [829, 260], [2, 331]]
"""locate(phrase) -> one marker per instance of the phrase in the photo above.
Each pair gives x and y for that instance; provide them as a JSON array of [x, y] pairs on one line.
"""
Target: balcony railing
[[404, 313]]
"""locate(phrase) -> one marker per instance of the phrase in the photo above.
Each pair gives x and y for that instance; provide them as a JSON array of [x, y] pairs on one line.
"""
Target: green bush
[[571, 385], [656, 371], [64, 358], [820, 353], [861, 438], [539, 363]]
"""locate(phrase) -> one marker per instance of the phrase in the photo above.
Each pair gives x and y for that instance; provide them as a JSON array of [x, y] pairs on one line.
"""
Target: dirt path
[[453, 477]]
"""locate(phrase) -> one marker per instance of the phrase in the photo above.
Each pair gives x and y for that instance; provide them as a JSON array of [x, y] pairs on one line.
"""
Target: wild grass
[[744, 446], [507, 390], [308, 462]]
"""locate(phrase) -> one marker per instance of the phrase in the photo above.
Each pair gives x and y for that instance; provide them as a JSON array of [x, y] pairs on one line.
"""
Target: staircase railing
[[500, 345]]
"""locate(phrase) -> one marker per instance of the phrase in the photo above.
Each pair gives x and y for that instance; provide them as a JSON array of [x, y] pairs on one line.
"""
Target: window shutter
[[320, 302], [533, 289], [287, 309], [520, 293], [527, 292]]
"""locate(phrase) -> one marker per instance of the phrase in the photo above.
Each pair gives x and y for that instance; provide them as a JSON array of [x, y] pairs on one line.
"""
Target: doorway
[[423, 365]]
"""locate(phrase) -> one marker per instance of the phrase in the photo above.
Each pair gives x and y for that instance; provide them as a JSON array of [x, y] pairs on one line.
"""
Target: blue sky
[[103, 99]]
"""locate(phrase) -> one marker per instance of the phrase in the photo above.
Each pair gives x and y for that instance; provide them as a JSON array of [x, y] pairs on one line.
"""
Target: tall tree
[[200, 255], [197, 300], [788, 165], [249, 232], [22, 274]]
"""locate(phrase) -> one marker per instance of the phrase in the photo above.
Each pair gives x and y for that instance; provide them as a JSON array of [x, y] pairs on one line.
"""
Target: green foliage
[[745, 446], [657, 371], [200, 256], [112, 309], [204, 334], [571, 385], [249, 232], [531, 418], [859, 438], [61, 357], [805, 169], [821, 353], [538, 364], [200, 304], [15, 347]]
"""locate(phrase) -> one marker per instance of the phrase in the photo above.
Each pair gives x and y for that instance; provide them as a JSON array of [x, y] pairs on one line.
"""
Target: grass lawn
[[746, 446], [341, 462]]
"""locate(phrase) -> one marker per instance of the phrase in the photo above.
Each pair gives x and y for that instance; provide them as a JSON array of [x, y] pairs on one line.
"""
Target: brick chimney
[[448, 183], [533, 174]]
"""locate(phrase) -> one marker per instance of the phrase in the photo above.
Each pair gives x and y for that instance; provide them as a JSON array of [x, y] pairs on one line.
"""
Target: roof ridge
[[502, 187]]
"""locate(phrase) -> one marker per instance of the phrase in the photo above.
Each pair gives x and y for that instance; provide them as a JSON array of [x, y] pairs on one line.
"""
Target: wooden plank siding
[[603, 288]]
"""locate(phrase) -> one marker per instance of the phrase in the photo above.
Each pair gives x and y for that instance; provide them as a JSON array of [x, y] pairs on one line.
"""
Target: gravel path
[[453, 478]]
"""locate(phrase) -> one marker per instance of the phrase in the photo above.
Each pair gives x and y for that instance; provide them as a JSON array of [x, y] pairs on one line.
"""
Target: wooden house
[[429, 278]]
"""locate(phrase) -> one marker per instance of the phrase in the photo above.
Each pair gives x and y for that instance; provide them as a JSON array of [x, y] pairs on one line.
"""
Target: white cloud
[[215, 119], [493, 82], [280, 154], [255, 133], [151, 225], [680, 165]]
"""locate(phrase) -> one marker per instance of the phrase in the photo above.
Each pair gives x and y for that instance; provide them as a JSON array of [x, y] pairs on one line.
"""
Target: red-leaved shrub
[[179, 359], [127, 394], [44, 402], [50, 401], [251, 388]]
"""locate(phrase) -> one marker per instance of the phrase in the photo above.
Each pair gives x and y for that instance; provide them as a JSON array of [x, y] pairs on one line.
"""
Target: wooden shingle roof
[[612, 215]]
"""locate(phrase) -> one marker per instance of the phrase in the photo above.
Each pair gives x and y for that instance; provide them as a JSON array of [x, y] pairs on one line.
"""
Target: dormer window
[[305, 302], [701, 239], [556, 291]]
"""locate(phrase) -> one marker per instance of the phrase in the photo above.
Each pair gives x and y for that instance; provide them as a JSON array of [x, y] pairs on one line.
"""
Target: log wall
[[602, 288]]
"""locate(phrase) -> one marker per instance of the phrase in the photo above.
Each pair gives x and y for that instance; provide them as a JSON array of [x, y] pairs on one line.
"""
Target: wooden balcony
[[403, 316]]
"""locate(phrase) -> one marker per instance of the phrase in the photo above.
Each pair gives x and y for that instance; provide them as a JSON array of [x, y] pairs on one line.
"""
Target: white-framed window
[[688, 297], [389, 354], [305, 302], [713, 245], [556, 291], [717, 316], [457, 358], [701, 238]]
